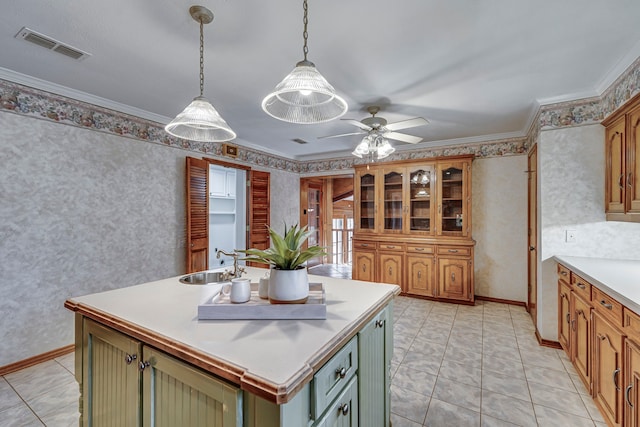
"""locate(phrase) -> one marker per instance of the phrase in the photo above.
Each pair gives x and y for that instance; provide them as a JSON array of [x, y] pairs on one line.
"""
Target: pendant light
[[199, 121], [304, 96]]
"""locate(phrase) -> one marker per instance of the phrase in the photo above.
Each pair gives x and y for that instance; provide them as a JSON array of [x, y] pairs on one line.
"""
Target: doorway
[[326, 208], [532, 220], [227, 213]]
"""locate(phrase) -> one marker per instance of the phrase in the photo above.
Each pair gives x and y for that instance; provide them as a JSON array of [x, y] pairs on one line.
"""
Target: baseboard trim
[[502, 301], [547, 343], [13, 367]]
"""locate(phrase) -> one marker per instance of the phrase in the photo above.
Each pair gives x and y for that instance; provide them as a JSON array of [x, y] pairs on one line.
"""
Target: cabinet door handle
[[129, 358], [453, 277], [582, 286], [616, 373], [344, 408], [390, 271], [605, 305], [419, 249], [573, 325], [341, 372], [568, 318], [453, 251], [626, 395], [564, 273], [620, 178], [629, 179], [364, 245], [390, 247], [379, 323], [419, 274], [364, 268]]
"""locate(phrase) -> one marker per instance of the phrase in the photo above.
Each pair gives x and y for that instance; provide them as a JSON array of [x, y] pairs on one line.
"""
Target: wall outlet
[[570, 236]]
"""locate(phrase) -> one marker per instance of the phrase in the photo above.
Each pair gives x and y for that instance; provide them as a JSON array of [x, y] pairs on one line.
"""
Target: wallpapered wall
[[571, 173], [83, 212]]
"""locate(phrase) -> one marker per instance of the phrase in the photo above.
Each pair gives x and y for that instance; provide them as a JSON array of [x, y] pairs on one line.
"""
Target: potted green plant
[[288, 281]]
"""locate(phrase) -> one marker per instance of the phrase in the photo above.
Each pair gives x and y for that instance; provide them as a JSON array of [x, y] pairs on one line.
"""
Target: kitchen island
[[144, 358]]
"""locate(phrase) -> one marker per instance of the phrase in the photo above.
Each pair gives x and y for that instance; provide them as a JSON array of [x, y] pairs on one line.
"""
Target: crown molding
[[619, 69], [77, 95]]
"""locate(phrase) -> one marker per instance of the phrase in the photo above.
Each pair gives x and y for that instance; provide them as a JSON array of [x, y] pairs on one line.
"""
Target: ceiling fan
[[379, 126]]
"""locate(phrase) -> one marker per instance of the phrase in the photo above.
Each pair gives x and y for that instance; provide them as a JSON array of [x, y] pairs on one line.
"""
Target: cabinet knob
[[453, 277], [341, 372], [130, 358], [143, 366], [390, 271], [419, 274], [379, 323], [344, 408]]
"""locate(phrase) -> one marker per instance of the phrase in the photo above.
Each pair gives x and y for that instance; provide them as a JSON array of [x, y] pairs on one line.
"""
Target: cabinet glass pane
[[451, 180], [313, 216], [393, 201], [420, 200], [367, 202]]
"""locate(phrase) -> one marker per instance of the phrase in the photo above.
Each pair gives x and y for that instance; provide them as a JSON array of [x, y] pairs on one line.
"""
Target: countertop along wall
[[571, 171]]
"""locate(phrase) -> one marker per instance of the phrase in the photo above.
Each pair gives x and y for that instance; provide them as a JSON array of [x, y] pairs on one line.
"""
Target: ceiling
[[476, 70]]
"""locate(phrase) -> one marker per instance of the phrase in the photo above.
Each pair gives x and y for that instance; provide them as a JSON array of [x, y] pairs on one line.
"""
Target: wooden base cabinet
[[125, 382], [581, 338], [608, 355], [172, 392], [564, 316], [631, 383], [421, 275]]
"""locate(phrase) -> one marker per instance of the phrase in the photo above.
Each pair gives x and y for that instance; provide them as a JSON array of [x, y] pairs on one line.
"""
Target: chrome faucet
[[237, 271]]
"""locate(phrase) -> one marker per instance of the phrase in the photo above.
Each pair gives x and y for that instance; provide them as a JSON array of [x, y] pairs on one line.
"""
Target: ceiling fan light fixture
[[304, 96], [200, 121], [373, 146]]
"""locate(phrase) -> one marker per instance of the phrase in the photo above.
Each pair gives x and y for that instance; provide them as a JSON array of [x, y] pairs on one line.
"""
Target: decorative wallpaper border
[[24, 100], [593, 110]]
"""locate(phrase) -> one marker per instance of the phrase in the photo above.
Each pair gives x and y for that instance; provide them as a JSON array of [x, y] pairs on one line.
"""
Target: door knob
[[532, 248]]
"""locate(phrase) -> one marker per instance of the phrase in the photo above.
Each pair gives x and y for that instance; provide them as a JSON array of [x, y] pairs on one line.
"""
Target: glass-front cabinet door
[[393, 207], [452, 211], [421, 202], [365, 201]]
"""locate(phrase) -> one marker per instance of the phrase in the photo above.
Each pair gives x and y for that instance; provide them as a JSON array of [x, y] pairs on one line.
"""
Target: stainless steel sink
[[205, 277]]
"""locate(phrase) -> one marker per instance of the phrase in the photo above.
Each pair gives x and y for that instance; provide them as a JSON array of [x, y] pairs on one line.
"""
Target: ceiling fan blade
[[402, 137], [342, 134], [406, 124], [359, 124]]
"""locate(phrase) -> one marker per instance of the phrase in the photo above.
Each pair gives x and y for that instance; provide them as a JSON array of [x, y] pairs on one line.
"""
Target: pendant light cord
[[202, 58], [305, 21]]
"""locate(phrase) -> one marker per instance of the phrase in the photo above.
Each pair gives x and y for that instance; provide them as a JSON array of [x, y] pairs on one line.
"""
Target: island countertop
[[617, 277], [270, 358]]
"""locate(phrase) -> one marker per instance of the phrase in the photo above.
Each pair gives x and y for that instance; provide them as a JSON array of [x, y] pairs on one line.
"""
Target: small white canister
[[263, 287]]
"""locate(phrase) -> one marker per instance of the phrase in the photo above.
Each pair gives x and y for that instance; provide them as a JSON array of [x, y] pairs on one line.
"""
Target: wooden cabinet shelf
[[412, 204]]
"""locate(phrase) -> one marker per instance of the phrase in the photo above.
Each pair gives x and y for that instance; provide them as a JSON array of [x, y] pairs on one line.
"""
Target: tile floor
[[340, 271], [453, 366]]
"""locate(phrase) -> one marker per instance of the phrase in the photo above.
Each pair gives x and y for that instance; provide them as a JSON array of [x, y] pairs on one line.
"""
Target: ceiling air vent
[[299, 141], [51, 44]]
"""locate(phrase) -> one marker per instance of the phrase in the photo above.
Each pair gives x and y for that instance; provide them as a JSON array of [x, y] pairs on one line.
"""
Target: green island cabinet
[[130, 375]]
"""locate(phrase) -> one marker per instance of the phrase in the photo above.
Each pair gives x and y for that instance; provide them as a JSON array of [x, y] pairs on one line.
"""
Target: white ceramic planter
[[288, 286]]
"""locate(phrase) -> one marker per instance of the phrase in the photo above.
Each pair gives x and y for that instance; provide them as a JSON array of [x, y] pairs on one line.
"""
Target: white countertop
[[617, 277], [276, 354]]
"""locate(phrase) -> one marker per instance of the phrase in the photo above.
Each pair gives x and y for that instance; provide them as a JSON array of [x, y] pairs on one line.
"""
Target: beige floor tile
[[19, 416], [507, 408], [399, 421], [49, 404], [505, 384], [487, 421], [445, 414], [549, 417], [549, 377], [409, 404], [456, 393], [461, 372], [8, 397], [411, 379], [559, 399], [36, 380]]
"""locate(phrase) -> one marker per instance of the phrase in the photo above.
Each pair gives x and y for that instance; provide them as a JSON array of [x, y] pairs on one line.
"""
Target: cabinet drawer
[[631, 324], [359, 244], [344, 410], [581, 286], [564, 273], [420, 249], [394, 247], [331, 379], [607, 306], [454, 250]]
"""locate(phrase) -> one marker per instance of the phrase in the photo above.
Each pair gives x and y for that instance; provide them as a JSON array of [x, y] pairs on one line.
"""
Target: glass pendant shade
[[305, 97], [199, 121]]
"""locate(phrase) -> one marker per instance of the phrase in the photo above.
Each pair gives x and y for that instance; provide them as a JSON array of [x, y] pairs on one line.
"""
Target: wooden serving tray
[[219, 307]]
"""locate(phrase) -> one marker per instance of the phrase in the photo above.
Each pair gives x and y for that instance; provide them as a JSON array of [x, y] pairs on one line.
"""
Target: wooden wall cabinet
[[622, 156], [413, 225]]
